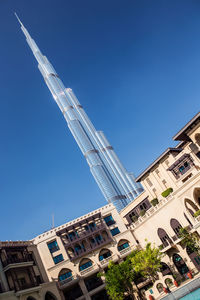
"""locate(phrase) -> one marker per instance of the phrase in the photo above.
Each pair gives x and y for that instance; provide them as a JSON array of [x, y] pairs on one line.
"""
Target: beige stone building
[[22, 275], [75, 252], [177, 169], [68, 258]]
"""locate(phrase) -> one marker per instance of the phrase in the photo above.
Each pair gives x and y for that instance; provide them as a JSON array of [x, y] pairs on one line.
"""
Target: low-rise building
[[22, 275], [170, 200], [74, 253], [63, 263]]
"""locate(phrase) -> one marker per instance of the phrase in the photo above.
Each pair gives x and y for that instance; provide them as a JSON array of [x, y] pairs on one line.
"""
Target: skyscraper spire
[[117, 186]]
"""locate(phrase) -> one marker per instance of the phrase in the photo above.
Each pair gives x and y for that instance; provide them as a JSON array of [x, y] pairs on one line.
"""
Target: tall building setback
[[117, 185]]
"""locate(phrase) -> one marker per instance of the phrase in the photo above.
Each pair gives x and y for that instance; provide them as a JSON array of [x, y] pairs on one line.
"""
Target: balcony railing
[[84, 251], [62, 284], [106, 260], [125, 250], [20, 287], [87, 270], [16, 260], [84, 234]]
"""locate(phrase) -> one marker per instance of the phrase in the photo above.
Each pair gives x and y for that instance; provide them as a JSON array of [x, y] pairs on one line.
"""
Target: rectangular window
[[58, 258], [98, 238], [109, 220], [149, 182], [53, 246], [115, 231], [164, 183], [92, 226], [71, 236], [155, 192], [157, 173]]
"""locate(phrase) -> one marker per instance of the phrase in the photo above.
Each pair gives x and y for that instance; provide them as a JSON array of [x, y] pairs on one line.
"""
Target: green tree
[[119, 279], [147, 262], [190, 240]]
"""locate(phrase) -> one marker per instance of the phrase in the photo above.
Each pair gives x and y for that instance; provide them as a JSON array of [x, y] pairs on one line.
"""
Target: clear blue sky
[[135, 67]]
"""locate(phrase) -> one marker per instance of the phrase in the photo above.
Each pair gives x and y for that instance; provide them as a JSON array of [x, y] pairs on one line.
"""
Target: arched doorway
[[194, 257], [176, 226], [196, 196], [180, 264], [159, 287], [191, 206], [50, 296], [165, 239], [30, 298]]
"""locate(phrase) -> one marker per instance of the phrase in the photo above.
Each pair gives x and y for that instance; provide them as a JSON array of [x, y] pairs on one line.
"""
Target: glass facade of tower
[[117, 186]]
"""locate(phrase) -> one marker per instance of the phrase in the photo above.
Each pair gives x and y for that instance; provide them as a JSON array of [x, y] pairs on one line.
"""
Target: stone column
[[3, 280], [84, 289]]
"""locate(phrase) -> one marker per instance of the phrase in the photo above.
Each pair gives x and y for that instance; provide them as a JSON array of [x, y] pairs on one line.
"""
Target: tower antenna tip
[[18, 18]]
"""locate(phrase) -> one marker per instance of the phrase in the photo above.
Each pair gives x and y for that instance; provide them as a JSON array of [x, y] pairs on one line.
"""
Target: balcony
[[84, 234], [88, 270], [106, 260], [87, 250], [20, 287], [125, 250], [17, 260], [66, 282]]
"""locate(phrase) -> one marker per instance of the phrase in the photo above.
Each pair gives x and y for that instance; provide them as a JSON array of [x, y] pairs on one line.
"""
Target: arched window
[[104, 253], [159, 287], [65, 274], [85, 264], [123, 244], [176, 226], [191, 206], [50, 296], [164, 237], [168, 282], [196, 196], [180, 264], [165, 269]]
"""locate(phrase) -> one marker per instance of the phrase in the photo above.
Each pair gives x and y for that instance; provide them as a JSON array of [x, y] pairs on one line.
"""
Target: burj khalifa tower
[[117, 185]]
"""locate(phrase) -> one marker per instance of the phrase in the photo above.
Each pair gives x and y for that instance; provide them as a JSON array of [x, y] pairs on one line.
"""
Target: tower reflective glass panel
[[117, 185]]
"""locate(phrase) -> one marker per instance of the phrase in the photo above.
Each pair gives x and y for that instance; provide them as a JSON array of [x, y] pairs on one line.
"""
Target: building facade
[[169, 202], [74, 253], [22, 274], [63, 263]]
